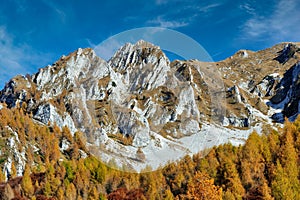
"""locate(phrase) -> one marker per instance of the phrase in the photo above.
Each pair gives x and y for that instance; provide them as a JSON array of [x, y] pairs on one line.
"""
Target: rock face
[[287, 94], [140, 101]]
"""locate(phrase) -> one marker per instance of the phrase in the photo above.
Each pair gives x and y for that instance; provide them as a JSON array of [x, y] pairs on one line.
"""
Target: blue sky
[[35, 33]]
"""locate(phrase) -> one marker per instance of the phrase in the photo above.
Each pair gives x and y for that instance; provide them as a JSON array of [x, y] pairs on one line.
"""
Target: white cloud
[[248, 8], [281, 25], [182, 15], [161, 22], [16, 58], [209, 7]]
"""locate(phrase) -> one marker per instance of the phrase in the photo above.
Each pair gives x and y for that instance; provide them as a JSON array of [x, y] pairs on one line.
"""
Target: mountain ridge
[[139, 100]]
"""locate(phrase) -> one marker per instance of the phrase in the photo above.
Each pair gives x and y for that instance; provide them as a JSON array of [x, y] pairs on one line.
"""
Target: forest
[[266, 167]]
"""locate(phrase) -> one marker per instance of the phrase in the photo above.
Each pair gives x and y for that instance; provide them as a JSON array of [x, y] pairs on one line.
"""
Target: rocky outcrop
[[48, 113], [287, 95], [266, 87], [287, 53], [236, 122]]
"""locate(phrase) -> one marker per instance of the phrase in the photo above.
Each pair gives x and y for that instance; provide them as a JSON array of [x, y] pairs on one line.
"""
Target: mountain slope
[[140, 109]]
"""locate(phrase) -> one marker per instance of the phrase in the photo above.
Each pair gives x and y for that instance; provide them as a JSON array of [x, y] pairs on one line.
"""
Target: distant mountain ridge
[[140, 109]]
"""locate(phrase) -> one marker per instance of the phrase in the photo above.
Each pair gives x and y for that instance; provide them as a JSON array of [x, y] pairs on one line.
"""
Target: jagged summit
[[141, 53], [143, 65], [138, 100], [144, 44], [138, 45]]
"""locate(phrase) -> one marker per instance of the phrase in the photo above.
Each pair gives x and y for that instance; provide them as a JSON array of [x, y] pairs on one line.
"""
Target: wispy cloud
[[57, 10], [209, 7], [16, 58], [281, 25], [181, 16], [163, 23], [248, 8]]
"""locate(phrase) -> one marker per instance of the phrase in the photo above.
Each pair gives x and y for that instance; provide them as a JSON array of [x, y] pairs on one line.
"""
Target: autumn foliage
[[266, 167]]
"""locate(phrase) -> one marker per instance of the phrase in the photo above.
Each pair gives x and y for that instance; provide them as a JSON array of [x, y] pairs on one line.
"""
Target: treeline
[[266, 167]]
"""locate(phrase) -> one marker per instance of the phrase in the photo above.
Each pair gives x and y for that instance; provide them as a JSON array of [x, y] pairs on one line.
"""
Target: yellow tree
[[2, 176], [71, 192], [286, 184], [93, 194], [27, 182], [60, 194], [13, 170], [202, 187], [252, 162], [228, 175]]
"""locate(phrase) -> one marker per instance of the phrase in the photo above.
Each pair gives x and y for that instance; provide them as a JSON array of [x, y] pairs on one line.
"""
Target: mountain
[[139, 109]]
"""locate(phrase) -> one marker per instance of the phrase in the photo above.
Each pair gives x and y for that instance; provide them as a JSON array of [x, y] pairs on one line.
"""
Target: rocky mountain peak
[[141, 44], [142, 53]]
